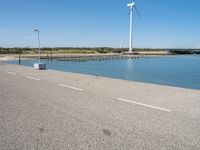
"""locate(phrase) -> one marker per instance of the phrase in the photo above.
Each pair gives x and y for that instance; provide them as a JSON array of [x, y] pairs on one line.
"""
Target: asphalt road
[[42, 110]]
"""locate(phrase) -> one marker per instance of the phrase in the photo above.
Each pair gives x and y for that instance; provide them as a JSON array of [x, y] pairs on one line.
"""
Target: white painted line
[[70, 87], [145, 105], [12, 73], [32, 78]]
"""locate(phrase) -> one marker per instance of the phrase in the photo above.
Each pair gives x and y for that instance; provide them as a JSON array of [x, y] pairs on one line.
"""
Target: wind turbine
[[132, 7]]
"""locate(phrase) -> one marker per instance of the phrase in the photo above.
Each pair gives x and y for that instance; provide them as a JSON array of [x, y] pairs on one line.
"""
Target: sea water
[[180, 71]]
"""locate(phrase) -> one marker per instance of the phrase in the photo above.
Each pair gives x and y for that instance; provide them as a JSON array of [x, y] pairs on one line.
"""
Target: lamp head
[[36, 30]]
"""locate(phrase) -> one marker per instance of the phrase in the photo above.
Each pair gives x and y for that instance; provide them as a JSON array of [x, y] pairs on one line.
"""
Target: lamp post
[[38, 31], [39, 66]]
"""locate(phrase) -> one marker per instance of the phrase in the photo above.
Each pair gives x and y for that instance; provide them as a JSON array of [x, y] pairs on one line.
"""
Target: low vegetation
[[69, 50]]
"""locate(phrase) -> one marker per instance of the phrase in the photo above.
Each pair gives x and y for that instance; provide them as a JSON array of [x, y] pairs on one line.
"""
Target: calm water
[[180, 71]]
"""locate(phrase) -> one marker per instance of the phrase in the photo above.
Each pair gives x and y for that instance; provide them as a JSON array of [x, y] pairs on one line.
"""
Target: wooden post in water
[[51, 56], [19, 56], [48, 55]]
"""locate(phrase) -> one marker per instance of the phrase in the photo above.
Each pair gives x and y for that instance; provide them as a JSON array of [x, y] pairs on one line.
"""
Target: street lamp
[[39, 66], [38, 31]]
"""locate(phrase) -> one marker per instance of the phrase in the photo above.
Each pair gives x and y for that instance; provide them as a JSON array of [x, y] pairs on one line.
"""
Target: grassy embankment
[[101, 50], [60, 52]]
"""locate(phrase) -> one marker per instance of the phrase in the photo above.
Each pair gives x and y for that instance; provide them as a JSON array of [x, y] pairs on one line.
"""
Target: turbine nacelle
[[131, 5]]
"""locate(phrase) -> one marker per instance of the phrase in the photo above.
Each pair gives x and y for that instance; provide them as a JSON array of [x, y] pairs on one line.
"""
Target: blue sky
[[98, 23]]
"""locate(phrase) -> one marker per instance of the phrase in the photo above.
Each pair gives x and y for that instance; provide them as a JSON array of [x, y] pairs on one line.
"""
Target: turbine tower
[[131, 6]]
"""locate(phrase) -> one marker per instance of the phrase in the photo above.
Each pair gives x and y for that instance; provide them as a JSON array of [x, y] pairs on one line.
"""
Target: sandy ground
[[155, 53], [16, 56], [7, 57]]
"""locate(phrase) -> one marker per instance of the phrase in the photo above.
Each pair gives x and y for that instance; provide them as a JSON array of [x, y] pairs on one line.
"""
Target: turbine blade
[[138, 12]]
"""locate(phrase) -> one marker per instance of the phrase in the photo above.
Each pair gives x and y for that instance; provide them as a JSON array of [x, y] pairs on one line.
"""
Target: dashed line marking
[[70, 87], [12, 73], [142, 104], [32, 78]]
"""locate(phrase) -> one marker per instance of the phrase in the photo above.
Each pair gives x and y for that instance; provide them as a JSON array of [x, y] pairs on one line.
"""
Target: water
[[179, 71]]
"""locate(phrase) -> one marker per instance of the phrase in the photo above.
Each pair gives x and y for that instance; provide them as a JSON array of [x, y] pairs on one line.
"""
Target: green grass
[[70, 50]]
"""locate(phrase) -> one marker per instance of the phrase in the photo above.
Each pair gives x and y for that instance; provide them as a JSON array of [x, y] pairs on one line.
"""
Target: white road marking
[[12, 73], [32, 78], [70, 87], [145, 105]]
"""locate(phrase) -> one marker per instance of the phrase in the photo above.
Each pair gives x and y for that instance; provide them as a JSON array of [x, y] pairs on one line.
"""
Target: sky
[[100, 23]]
